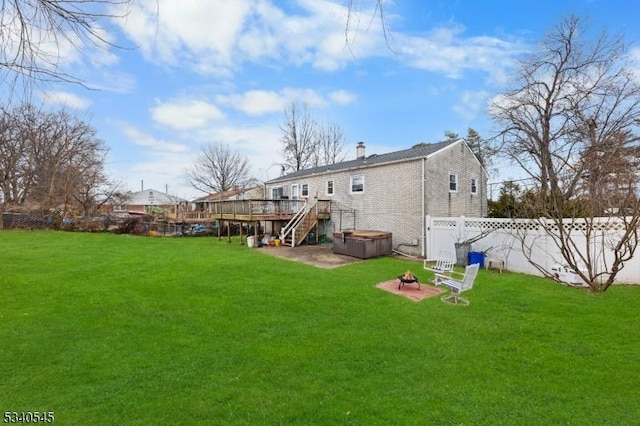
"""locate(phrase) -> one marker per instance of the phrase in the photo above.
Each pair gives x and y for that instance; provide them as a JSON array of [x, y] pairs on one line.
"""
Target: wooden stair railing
[[301, 228], [309, 222]]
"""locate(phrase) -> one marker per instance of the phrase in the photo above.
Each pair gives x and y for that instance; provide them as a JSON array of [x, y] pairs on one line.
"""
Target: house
[[235, 193], [392, 192], [147, 201]]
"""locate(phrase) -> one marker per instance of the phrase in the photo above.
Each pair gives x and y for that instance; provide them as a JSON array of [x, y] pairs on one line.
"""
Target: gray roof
[[419, 151]]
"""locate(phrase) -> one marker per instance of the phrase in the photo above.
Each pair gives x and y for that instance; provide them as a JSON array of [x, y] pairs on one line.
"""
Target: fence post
[[547, 244], [460, 227], [427, 237]]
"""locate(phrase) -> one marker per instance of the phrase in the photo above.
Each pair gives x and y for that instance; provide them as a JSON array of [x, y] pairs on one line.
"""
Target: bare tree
[[86, 185], [331, 144], [13, 160], [354, 15], [573, 102], [299, 138], [33, 32], [218, 168], [47, 156]]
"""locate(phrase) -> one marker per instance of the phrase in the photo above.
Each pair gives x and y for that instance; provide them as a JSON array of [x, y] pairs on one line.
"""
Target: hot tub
[[362, 244]]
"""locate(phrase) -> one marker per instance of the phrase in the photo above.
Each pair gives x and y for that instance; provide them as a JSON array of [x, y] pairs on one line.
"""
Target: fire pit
[[407, 278]]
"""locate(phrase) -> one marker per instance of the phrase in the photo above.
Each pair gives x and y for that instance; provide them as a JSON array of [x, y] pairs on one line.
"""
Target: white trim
[[456, 181], [351, 191], [326, 187]]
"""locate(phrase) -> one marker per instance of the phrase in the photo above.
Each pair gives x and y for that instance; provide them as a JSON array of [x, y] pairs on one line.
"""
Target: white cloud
[[447, 51], [198, 35], [255, 102], [471, 104], [260, 102], [109, 80], [139, 138], [151, 172], [185, 114], [65, 99], [218, 36], [342, 97], [260, 143]]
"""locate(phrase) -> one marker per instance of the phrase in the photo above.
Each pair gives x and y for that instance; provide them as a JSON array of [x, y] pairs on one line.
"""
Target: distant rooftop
[[151, 197]]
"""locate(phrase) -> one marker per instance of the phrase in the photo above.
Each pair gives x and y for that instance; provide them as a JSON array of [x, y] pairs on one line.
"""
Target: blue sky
[[206, 71]]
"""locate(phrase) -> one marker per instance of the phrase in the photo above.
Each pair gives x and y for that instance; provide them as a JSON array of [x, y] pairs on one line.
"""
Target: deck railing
[[254, 208]]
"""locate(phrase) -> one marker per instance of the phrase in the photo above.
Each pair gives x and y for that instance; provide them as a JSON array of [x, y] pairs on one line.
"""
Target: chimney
[[360, 151]]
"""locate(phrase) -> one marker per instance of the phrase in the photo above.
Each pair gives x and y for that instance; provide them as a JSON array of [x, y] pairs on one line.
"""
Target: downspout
[[422, 216]]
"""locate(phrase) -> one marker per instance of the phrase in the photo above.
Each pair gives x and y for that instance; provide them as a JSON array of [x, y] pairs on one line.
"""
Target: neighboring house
[[393, 192], [148, 201], [235, 193]]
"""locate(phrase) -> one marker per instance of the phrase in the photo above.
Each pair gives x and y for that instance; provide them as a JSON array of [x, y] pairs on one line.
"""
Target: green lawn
[[113, 329]]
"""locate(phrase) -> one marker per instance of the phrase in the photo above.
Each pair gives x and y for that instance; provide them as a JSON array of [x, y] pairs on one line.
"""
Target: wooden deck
[[252, 211]]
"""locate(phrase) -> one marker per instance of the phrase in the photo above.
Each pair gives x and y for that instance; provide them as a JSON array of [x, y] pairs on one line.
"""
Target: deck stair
[[298, 228]]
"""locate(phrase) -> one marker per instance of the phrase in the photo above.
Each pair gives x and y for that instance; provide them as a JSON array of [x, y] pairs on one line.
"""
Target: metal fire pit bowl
[[402, 280]]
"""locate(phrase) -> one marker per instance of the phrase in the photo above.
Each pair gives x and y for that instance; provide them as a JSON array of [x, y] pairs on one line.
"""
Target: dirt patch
[[318, 255], [410, 291]]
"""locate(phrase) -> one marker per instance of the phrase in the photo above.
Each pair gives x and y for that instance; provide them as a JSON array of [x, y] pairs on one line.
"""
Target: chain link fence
[[137, 225]]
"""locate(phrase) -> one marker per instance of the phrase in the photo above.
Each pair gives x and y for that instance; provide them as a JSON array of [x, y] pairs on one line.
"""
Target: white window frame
[[295, 191], [351, 183], [333, 187], [119, 208], [474, 186], [453, 181], [304, 190]]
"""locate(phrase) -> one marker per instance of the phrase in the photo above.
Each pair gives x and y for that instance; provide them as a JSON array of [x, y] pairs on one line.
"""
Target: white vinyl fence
[[505, 241]]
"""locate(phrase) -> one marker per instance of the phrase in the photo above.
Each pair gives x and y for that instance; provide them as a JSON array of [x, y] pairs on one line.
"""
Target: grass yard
[[113, 329]]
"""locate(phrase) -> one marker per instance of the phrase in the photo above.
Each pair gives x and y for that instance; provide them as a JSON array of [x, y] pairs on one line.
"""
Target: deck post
[[229, 231]]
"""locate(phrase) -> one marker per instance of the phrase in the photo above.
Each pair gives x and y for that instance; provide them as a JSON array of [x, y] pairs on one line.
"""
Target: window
[[277, 193], [119, 208], [357, 184], [295, 191], [329, 188], [305, 189], [453, 182], [474, 186]]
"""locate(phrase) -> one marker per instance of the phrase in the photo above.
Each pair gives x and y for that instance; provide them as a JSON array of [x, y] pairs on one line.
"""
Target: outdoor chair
[[443, 264], [458, 286]]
